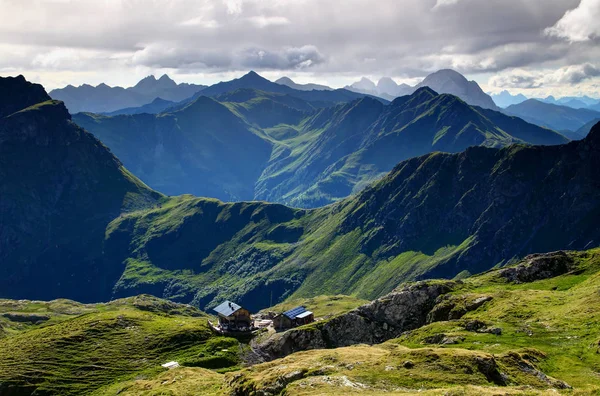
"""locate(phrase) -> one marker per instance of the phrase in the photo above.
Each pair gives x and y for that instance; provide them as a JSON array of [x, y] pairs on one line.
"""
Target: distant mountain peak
[[452, 82], [285, 80], [165, 77], [252, 74]]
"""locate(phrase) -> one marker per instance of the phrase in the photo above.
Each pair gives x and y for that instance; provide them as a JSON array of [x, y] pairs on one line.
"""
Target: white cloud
[[234, 7], [201, 22], [444, 3], [264, 21], [579, 24], [572, 75]]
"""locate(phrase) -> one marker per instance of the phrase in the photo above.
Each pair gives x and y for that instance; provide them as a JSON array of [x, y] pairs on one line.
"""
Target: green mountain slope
[[436, 215], [77, 224], [356, 143], [60, 188], [276, 147], [205, 149]]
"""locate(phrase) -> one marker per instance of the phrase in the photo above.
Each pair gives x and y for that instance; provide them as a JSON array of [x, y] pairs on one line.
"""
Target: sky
[[534, 47]]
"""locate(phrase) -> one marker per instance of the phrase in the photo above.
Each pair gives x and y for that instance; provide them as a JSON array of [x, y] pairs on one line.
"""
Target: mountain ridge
[[299, 170], [106, 99]]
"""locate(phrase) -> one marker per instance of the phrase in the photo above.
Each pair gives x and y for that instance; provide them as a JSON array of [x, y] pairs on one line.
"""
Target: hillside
[[204, 149], [65, 348], [552, 116], [60, 188], [103, 98], [280, 148], [526, 329], [438, 215]]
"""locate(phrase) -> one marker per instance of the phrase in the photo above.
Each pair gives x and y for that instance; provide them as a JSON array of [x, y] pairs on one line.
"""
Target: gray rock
[[539, 266], [381, 320]]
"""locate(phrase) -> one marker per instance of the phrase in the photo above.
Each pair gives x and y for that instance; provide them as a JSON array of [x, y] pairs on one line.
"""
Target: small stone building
[[293, 318], [233, 317]]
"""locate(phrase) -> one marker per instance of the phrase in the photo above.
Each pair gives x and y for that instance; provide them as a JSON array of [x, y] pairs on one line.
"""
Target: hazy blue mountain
[[505, 99], [248, 144], [586, 100], [252, 80], [364, 85], [451, 82], [585, 130], [574, 103], [158, 105], [105, 99], [386, 85], [551, 115], [302, 87], [386, 88]]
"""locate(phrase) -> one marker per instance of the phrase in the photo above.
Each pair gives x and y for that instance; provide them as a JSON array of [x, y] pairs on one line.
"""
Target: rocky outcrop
[[539, 266], [381, 320]]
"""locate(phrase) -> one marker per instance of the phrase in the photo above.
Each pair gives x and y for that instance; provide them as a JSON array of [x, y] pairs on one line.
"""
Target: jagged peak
[[148, 78], [165, 77]]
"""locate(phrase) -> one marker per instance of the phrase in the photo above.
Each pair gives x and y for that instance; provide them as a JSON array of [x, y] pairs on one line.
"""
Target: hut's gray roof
[[227, 308]]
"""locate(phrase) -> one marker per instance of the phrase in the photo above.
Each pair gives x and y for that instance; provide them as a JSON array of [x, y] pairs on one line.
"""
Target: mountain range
[[302, 87], [77, 224], [557, 117], [248, 144], [505, 99], [444, 81], [103, 98]]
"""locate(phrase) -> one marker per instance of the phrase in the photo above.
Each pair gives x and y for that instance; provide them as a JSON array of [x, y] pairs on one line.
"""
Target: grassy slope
[[321, 306], [83, 347], [549, 328]]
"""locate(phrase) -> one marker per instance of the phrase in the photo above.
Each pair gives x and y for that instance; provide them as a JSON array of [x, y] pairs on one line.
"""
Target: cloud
[[579, 24], [264, 21], [565, 76], [165, 56], [444, 3], [572, 74], [234, 7], [516, 79], [404, 39]]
